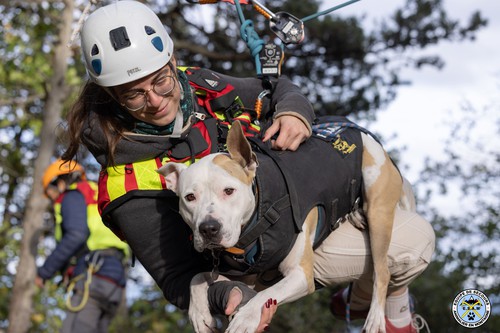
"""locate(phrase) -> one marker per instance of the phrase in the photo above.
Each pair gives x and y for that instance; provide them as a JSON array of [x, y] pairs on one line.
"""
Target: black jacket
[[151, 223]]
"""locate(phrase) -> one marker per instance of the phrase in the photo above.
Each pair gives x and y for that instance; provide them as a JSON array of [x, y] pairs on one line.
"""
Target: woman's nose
[[154, 99]]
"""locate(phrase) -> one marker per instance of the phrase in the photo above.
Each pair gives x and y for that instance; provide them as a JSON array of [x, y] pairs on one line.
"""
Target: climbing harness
[[94, 262]]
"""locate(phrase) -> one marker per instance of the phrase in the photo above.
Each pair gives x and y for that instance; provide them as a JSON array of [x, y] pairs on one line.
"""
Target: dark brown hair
[[93, 98]]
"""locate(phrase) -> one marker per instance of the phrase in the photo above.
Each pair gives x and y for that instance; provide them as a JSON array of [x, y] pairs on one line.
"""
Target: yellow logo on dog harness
[[343, 146]]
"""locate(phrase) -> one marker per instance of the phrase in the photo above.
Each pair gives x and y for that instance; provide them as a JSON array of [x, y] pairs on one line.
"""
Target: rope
[[313, 16], [250, 37], [419, 323], [92, 268]]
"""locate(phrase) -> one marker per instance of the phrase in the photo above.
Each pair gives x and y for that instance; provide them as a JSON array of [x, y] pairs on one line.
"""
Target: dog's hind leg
[[382, 186]]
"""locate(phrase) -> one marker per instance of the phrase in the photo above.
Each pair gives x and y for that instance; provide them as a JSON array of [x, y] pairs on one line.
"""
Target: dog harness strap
[[270, 217], [289, 183]]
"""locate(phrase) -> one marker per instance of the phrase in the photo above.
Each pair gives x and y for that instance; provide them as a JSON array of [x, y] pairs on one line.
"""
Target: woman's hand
[[292, 132]]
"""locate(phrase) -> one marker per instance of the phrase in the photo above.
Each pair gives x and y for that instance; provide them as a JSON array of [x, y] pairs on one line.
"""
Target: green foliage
[[309, 314], [47, 315], [152, 314], [343, 67], [9, 246], [467, 255]]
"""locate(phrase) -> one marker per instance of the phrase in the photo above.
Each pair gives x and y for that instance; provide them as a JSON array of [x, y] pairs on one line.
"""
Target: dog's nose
[[209, 229]]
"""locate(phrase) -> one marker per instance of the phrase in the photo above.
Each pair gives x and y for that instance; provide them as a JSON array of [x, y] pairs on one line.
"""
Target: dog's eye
[[228, 191], [190, 197]]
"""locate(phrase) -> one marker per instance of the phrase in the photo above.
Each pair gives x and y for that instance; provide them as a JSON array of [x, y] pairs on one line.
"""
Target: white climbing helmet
[[123, 42]]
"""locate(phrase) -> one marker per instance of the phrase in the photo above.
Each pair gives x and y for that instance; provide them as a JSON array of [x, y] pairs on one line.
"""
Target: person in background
[[88, 255]]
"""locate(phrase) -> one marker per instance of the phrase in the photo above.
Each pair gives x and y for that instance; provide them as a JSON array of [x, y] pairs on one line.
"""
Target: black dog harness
[[325, 172]]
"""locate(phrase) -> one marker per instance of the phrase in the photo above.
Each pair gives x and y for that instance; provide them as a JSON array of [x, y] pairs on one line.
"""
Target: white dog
[[226, 205]]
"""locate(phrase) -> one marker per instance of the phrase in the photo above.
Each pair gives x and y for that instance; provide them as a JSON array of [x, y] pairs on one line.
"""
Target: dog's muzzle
[[210, 231]]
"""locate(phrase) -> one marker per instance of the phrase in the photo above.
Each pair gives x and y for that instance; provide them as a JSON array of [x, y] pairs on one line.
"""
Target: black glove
[[218, 295]]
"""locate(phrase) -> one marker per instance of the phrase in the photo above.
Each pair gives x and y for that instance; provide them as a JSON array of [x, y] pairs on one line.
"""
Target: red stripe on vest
[[204, 132], [130, 181], [87, 191], [162, 179], [210, 96], [102, 194]]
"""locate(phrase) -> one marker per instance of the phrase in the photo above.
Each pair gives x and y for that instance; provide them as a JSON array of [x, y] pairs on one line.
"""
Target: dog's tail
[[407, 200]]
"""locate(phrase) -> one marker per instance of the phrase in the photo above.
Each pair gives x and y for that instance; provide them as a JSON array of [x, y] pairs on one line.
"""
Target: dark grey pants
[[95, 317]]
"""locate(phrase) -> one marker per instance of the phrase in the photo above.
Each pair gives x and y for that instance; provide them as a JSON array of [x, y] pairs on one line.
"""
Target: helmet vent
[[95, 50], [97, 66], [157, 43], [149, 30], [119, 38]]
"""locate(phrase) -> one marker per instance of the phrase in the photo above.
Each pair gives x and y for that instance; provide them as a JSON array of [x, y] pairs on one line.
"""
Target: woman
[[139, 110]]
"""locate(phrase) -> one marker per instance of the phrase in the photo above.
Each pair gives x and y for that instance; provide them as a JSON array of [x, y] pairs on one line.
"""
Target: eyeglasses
[[136, 100]]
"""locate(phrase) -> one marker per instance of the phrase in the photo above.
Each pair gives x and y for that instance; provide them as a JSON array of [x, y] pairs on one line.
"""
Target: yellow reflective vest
[[122, 181], [100, 237]]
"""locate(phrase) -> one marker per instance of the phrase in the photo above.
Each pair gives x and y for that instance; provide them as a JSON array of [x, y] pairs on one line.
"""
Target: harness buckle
[[200, 116], [232, 111]]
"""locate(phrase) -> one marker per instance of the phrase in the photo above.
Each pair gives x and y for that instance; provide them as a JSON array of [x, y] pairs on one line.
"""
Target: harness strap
[[270, 217], [284, 169], [94, 263], [111, 252]]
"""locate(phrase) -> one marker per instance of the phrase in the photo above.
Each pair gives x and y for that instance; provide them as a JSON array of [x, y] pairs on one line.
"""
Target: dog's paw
[[375, 322], [200, 316], [357, 219], [246, 319], [202, 323]]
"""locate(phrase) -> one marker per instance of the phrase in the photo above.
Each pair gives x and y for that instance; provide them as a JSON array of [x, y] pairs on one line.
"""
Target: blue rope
[[254, 42], [250, 37]]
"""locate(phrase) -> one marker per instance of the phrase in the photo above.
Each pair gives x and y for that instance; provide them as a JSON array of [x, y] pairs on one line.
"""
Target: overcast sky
[[471, 74]]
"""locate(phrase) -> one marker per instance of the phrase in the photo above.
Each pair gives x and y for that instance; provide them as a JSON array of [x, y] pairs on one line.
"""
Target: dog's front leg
[[298, 281], [199, 310]]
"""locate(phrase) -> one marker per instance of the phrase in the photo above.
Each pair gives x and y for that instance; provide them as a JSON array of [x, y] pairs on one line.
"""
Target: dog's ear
[[171, 171], [239, 148]]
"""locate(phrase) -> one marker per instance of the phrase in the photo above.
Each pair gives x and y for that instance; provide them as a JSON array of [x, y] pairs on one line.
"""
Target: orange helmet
[[58, 168]]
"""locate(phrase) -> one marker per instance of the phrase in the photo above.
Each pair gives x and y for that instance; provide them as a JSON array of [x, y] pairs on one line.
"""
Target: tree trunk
[[21, 303]]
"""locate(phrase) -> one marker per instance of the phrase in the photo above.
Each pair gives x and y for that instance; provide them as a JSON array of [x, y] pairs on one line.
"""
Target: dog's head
[[215, 194]]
